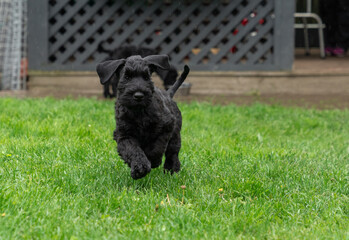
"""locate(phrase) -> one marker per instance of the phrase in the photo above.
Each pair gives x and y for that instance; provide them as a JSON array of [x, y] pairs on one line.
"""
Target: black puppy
[[168, 76], [148, 121]]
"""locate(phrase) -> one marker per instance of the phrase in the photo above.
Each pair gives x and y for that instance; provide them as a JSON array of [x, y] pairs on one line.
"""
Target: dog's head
[[134, 85]]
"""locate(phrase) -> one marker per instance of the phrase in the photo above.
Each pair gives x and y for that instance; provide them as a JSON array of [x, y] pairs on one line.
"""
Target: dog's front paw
[[140, 169]]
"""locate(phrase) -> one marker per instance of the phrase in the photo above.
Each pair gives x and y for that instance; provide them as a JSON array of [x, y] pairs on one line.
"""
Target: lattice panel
[[207, 35]]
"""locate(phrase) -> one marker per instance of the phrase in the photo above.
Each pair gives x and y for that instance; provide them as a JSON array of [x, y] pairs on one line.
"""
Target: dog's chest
[[145, 126]]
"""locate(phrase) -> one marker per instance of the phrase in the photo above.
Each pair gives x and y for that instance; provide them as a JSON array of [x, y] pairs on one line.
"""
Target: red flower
[[233, 49], [235, 31], [244, 21]]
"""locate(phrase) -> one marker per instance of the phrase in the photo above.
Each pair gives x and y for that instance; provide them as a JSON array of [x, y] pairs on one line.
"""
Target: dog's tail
[[172, 90]]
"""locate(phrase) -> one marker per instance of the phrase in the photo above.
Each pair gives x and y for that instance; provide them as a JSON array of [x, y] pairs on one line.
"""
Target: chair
[[319, 25]]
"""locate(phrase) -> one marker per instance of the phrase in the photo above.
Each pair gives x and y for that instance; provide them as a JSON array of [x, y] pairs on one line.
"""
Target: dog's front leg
[[134, 156]]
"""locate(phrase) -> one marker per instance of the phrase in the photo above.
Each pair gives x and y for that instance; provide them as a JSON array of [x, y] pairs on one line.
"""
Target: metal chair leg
[[306, 37]]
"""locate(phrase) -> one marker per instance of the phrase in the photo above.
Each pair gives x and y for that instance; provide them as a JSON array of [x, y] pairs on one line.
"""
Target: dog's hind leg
[[172, 163]]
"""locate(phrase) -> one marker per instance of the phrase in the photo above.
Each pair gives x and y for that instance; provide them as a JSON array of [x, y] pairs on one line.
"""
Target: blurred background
[[239, 50]]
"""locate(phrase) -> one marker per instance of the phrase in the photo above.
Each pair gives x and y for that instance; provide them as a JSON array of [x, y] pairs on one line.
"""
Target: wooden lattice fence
[[207, 35]]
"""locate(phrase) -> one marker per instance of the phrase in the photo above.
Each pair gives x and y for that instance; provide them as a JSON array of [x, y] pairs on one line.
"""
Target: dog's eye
[[127, 77]]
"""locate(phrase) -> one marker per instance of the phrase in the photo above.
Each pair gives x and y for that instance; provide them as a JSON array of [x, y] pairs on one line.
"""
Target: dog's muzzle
[[138, 96]]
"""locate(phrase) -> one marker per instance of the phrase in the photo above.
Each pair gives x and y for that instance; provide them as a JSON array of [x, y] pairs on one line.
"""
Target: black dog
[[168, 76], [148, 121]]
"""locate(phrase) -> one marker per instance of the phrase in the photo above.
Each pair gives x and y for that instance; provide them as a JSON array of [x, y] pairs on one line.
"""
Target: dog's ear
[[105, 70], [162, 73], [158, 61]]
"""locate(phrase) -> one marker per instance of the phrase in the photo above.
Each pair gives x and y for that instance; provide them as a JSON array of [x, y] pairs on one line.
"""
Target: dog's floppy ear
[[106, 69], [158, 61]]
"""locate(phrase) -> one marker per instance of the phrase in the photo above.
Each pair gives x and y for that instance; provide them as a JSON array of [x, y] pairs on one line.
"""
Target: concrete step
[[206, 83]]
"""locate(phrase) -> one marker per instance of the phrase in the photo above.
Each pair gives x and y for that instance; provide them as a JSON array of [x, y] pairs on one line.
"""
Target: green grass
[[264, 172]]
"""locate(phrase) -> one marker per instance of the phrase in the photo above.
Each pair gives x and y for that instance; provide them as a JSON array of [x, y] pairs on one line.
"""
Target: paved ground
[[316, 95], [307, 65], [307, 101], [313, 63]]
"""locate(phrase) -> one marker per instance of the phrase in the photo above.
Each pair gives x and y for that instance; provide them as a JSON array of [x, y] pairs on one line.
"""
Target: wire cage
[[13, 44]]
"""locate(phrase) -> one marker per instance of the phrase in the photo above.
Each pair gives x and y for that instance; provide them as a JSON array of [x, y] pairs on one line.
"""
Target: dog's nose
[[138, 96]]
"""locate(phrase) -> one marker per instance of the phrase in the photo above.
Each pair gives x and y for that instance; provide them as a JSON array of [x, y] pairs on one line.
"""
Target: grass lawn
[[264, 172]]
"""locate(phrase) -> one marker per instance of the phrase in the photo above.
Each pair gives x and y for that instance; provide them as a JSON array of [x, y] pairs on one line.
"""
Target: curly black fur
[[148, 121], [168, 76]]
